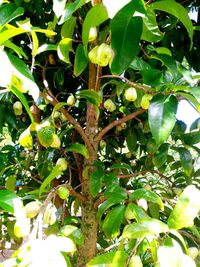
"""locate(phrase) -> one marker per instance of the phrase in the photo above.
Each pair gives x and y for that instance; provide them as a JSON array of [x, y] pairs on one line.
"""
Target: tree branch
[[77, 126], [118, 122]]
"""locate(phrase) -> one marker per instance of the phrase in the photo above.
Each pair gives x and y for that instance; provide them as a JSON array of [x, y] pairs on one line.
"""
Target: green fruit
[[56, 115], [45, 134], [93, 55], [123, 125], [26, 139], [109, 105], [32, 209], [145, 101], [22, 228], [148, 187], [193, 252], [17, 107], [104, 55], [102, 144], [63, 192], [130, 94], [92, 34], [128, 155], [56, 141], [49, 216], [71, 100], [63, 118], [62, 163]]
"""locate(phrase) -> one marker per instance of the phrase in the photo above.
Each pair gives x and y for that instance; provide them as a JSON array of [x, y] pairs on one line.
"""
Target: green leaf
[[126, 31], [112, 222], [81, 61], [191, 138], [67, 29], [9, 12], [46, 47], [102, 208], [133, 211], [7, 200], [9, 33], [56, 108], [92, 96], [151, 31], [64, 47], [186, 208], [192, 99], [35, 43], [72, 232], [78, 148], [121, 166], [139, 64], [95, 16], [115, 193], [162, 117], [54, 173], [131, 140], [177, 10], [186, 160], [147, 195], [144, 228], [18, 50], [167, 61], [95, 182], [111, 258], [160, 157]]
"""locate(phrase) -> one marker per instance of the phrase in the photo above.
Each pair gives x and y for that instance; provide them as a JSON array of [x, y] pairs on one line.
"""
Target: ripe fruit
[[109, 105], [71, 100], [92, 34], [49, 216], [63, 192], [17, 107], [22, 228], [93, 54], [62, 163], [145, 101], [26, 139], [193, 252], [56, 141], [32, 209], [130, 94], [101, 55]]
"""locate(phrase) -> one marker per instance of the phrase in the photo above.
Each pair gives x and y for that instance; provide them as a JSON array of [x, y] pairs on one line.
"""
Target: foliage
[[95, 168]]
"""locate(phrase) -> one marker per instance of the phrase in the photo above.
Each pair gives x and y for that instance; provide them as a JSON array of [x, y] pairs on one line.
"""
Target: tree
[[95, 168]]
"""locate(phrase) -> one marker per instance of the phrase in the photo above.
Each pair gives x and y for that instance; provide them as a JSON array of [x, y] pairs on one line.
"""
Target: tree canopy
[[95, 168]]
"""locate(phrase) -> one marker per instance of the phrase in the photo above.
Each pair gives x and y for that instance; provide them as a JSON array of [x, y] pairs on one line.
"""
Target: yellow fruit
[[93, 55], [26, 139], [63, 192], [45, 134], [22, 228], [17, 107], [145, 101], [71, 100], [62, 163], [49, 216], [32, 209], [56, 115], [109, 105], [56, 141], [104, 55], [130, 94], [92, 34]]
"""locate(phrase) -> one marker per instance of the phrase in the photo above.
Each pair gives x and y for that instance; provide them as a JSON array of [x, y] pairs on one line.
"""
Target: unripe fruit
[[63, 192], [17, 107], [71, 100], [49, 215], [45, 134], [92, 34], [147, 187], [56, 142], [22, 228], [193, 252], [93, 54], [130, 94], [109, 105], [102, 144], [63, 118], [123, 125], [118, 128], [62, 163], [32, 209], [145, 101], [104, 55], [56, 115], [128, 155]]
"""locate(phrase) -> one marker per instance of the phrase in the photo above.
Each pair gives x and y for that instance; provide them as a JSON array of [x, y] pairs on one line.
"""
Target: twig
[[118, 122]]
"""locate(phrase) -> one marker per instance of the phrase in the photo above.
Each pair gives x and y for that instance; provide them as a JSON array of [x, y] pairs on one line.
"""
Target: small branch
[[118, 122], [140, 86], [98, 78], [189, 236], [77, 126]]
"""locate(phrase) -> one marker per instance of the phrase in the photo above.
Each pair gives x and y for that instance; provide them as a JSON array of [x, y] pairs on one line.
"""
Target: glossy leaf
[[53, 174], [162, 117], [96, 15], [81, 61], [112, 222], [7, 200], [35, 43], [177, 10], [191, 138], [160, 157], [72, 232], [95, 182], [147, 195], [63, 49], [9, 12], [46, 47], [18, 50], [111, 258], [121, 166], [133, 211], [78, 148], [102, 209], [144, 228], [186, 160], [115, 193], [186, 208], [191, 98], [131, 140], [126, 31], [9, 33], [92, 96], [151, 31], [67, 29]]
